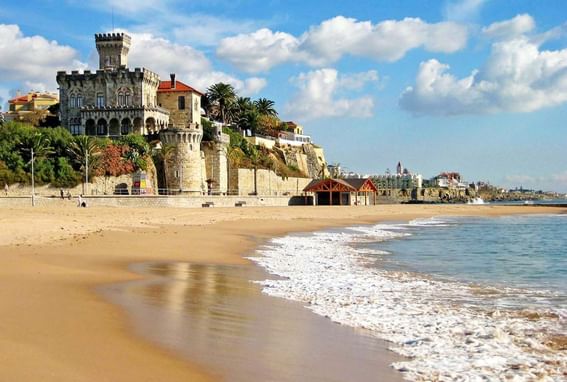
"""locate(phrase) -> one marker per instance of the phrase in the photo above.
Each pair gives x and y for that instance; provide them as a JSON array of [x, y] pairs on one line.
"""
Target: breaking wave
[[450, 331]]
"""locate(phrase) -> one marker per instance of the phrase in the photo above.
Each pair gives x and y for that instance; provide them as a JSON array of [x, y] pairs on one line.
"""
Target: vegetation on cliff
[[60, 158]]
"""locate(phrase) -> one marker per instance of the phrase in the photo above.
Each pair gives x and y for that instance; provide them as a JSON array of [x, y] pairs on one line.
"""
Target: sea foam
[[435, 323]]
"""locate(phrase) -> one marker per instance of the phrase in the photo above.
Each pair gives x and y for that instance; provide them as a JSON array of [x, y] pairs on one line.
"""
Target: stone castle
[[114, 101]]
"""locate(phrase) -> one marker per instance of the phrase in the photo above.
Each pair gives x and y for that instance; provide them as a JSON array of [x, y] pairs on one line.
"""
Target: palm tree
[[265, 106], [38, 145], [86, 152], [222, 97]]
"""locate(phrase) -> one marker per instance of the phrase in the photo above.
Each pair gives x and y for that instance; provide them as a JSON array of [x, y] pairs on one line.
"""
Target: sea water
[[469, 299]]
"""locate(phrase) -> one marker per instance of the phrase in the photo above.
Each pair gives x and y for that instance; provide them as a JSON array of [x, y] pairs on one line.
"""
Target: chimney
[[172, 75]]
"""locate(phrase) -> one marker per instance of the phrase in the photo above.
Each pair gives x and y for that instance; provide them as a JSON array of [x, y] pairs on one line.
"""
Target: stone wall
[[160, 201], [141, 84], [98, 186], [267, 183], [216, 166]]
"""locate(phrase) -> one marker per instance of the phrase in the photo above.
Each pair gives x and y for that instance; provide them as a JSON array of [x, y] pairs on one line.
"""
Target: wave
[[434, 323]]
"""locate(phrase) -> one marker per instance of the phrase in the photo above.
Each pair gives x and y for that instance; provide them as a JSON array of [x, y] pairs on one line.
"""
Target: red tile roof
[[165, 86]]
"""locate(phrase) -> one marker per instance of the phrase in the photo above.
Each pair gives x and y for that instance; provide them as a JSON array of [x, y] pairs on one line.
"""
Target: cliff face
[[308, 158]]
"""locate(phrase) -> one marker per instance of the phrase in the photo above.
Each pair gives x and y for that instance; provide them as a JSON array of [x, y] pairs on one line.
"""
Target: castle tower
[[216, 163], [183, 170], [112, 50]]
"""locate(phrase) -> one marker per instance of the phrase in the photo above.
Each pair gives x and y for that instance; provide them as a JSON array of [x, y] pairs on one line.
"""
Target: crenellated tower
[[112, 50], [183, 170]]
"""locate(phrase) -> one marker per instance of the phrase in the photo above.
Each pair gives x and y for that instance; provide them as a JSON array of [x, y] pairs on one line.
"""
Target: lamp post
[[32, 180], [86, 172]]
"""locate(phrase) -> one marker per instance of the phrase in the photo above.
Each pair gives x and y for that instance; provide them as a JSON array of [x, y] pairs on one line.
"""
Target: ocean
[[465, 299]]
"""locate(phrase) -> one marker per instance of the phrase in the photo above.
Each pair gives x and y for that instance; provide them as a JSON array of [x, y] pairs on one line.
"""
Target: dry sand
[[55, 327]]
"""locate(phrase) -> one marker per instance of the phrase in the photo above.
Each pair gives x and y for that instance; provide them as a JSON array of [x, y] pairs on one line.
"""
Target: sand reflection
[[214, 315]]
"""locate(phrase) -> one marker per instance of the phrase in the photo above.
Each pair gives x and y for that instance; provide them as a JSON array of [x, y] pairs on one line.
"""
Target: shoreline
[[71, 326]]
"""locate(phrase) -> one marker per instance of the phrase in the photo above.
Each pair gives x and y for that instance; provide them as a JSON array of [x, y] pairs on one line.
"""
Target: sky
[[474, 86]]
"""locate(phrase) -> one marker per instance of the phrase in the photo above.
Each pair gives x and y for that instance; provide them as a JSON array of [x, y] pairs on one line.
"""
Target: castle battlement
[[121, 72], [112, 37]]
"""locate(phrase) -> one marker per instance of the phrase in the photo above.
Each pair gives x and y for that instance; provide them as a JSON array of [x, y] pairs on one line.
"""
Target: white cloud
[[319, 95], [150, 16], [190, 65], [463, 10], [517, 77], [356, 81], [206, 30], [512, 28], [258, 51], [33, 59], [327, 42]]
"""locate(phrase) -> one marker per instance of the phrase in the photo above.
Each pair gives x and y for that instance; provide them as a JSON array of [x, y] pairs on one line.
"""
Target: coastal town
[[194, 143], [283, 191]]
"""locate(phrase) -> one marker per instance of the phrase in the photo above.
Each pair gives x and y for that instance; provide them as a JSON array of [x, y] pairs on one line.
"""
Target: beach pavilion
[[342, 192]]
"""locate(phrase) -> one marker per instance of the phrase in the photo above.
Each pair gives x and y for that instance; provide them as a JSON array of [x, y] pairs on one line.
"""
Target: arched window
[[127, 99], [79, 101], [121, 99], [100, 100], [72, 101]]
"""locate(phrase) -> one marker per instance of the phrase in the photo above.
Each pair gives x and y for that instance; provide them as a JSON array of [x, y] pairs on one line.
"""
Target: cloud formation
[[517, 26], [319, 95], [33, 59], [327, 42], [191, 65], [517, 77]]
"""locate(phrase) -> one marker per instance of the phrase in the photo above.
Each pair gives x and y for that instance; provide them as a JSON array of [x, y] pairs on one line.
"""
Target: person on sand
[[81, 202], [68, 195], [6, 188], [61, 193]]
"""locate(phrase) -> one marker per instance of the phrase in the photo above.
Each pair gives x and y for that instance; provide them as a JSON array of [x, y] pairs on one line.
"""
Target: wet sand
[[204, 312], [56, 326]]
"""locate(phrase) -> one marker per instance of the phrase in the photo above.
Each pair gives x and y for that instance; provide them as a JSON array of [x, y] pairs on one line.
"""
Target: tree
[[268, 125], [265, 106], [82, 148], [221, 98]]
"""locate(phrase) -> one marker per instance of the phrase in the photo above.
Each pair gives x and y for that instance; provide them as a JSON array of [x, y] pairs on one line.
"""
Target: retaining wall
[[142, 201]]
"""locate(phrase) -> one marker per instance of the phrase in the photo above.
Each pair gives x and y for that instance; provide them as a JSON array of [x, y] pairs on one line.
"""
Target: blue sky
[[476, 86]]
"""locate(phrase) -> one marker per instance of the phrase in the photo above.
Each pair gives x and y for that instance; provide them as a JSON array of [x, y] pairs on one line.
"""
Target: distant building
[[293, 127], [448, 180], [402, 179], [33, 102]]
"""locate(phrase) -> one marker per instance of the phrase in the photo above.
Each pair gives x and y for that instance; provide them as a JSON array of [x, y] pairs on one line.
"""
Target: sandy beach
[[55, 326]]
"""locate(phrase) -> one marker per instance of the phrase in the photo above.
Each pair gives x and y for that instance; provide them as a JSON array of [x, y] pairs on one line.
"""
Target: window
[[127, 99], [79, 101], [181, 103], [72, 101], [75, 129], [121, 99], [100, 100]]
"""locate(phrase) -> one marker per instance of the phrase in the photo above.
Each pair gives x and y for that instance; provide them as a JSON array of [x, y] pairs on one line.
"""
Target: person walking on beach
[[62, 193], [6, 188], [80, 202]]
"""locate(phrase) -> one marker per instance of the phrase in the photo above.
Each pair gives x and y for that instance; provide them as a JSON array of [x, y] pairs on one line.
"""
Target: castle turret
[[112, 50], [216, 164], [183, 170]]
